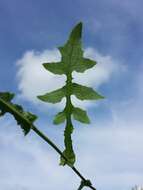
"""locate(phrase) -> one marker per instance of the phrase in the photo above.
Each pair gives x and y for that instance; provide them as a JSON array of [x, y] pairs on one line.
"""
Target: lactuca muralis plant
[[72, 59]]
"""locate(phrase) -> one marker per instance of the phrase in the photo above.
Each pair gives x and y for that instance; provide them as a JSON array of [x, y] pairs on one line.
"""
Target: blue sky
[[30, 31]]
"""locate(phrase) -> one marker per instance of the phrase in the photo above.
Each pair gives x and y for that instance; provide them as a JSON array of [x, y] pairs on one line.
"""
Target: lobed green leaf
[[85, 93], [56, 68], [54, 96], [24, 119], [76, 33], [72, 52], [80, 115], [83, 65], [60, 118], [6, 96]]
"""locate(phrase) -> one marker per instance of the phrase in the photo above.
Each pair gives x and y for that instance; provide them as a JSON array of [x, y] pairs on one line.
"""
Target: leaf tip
[[79, 25], [102, 97], [44, 65], [55, 122], [76, 32], [41, 97]]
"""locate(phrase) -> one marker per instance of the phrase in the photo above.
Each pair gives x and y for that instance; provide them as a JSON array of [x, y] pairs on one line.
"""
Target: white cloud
[[33, 79]]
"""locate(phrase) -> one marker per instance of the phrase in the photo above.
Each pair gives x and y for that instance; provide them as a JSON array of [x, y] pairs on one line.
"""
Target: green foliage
[[80, 115], [24, 119], [53, 97], [72, 56], [60, 118], [56, 68], [83, 65], [72, 60], [85, 93]]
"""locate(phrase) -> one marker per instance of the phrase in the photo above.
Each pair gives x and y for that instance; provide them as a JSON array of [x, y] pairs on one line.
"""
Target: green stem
[[81, 187], [69, 153]]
